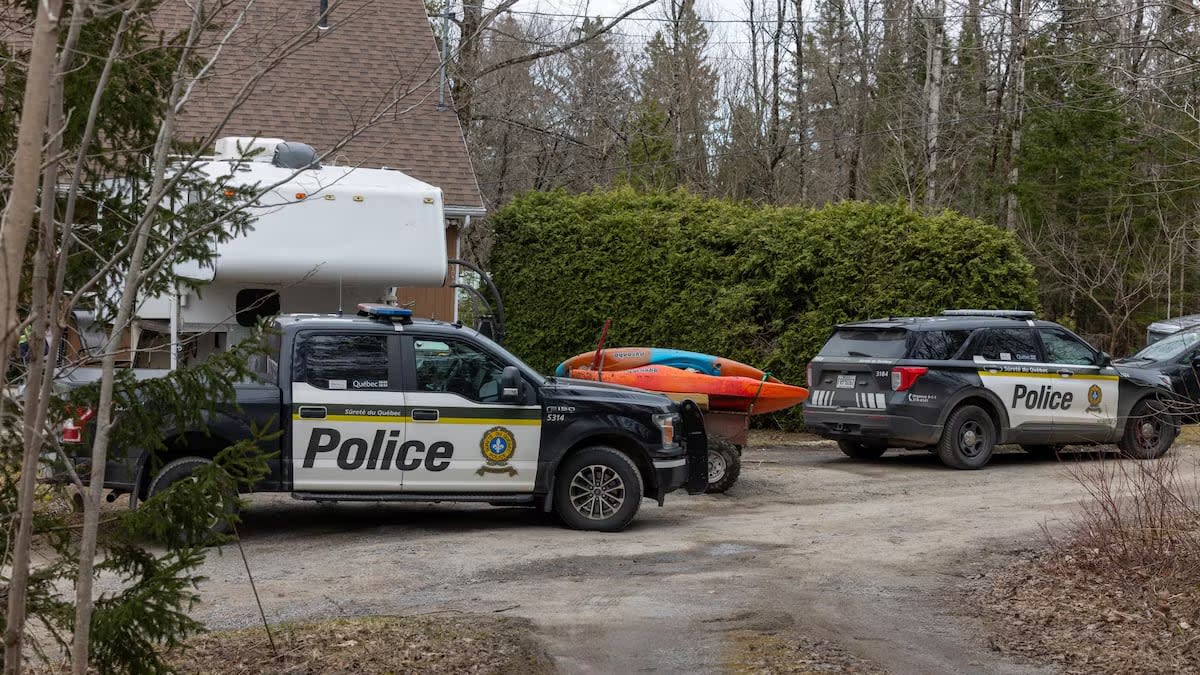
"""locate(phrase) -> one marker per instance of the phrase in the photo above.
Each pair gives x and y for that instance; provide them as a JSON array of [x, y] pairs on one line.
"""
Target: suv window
[[1061, 347], [1005, 344], [457, 368], [867, 342], [937, 345], [358, 362]]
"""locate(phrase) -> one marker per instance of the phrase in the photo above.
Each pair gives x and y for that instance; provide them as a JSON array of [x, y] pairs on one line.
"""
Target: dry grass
[[1120, 592], [425, 644], [756, 652]]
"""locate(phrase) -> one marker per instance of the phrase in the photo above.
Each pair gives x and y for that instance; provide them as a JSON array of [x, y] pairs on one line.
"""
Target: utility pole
[[446, 15]]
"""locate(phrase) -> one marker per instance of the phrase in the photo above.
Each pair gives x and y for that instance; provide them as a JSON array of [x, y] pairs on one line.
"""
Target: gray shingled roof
[[377, 61]]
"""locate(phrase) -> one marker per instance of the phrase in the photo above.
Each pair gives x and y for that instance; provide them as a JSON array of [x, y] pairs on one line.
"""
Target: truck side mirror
[[1104, 360], [510, 385], [1196, 360]]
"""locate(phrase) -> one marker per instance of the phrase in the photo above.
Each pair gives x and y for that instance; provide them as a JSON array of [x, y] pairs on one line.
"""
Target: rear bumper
[[859, 426], [119, 474]]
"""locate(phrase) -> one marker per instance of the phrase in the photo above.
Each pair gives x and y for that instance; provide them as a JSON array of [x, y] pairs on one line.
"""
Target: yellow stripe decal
[[402, 420], [1054, 376], [488, 420]]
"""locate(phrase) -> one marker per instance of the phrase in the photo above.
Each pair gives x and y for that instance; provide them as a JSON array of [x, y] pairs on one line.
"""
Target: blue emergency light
[[378, 311]]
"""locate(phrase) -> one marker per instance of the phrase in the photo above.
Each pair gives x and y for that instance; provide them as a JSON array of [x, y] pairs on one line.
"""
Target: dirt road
[[873, 556]]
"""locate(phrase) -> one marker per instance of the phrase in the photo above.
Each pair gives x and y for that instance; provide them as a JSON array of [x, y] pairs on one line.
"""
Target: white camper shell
[[322, 239]]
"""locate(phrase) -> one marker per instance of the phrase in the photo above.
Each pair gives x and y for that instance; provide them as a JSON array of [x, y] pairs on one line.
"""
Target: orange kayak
[[741, 394], [625, 358]]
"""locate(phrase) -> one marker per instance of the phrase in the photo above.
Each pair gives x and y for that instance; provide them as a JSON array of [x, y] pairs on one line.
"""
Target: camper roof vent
[[291, 155]]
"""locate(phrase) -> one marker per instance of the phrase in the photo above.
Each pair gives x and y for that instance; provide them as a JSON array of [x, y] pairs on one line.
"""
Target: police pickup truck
[[381, 407], [961, 383]]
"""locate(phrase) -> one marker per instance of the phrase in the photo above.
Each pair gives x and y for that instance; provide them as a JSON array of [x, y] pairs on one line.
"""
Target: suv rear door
[[853, 369], [1009, 362]]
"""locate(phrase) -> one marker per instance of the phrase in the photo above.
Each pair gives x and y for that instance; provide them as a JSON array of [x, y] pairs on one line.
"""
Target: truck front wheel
[[221, 511], [597, 488]]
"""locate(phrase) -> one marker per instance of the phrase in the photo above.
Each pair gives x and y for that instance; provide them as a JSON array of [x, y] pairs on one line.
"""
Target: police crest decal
[[1095, 396], [497, 445]]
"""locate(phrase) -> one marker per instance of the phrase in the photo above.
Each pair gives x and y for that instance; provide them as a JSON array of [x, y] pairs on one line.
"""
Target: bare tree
[[933, 99]]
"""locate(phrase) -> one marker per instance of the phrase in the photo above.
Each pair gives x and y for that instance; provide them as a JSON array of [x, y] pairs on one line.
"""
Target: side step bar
[[500, 498]]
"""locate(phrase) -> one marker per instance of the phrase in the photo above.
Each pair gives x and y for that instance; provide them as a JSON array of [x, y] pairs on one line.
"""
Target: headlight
[[666, 424]]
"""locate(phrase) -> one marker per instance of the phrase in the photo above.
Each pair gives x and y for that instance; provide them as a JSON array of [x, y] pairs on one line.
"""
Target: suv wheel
[[724, 465], [1149, 431], [597, 488], [968, 439], [861, 450]]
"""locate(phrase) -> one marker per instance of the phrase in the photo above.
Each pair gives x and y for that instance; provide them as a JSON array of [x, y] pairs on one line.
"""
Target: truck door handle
[[1065, 373], [312, 412], [425, 415]]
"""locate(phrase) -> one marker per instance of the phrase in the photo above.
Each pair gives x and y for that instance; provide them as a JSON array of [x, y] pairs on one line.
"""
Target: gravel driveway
[[870, 555]]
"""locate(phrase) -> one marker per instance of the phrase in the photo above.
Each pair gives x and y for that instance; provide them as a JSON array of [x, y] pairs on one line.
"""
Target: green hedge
[[758, 284]]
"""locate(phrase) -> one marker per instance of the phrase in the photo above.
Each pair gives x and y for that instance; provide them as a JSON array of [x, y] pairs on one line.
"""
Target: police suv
[[386, 408], [961, 383]]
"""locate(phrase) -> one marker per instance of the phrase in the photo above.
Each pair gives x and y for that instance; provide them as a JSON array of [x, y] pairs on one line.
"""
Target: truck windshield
[[879, 343], [513, 359]]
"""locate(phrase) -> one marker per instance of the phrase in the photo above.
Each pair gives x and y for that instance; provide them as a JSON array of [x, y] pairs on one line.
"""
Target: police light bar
[[378, 311], [1006, 313]]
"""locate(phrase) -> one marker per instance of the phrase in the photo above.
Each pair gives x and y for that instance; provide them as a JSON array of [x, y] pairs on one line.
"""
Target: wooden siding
[[435, 302]]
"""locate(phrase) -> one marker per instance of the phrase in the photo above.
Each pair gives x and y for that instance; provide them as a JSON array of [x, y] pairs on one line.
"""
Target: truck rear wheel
[[597, 488], [222, 512], [724, 465], [861, 450], [1149, 431], [968, 439]]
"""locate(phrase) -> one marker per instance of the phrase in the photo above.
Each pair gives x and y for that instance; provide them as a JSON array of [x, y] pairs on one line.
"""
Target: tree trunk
[[1018, 112], [801, 114], [14, 235], [18, 216], [933, 100]]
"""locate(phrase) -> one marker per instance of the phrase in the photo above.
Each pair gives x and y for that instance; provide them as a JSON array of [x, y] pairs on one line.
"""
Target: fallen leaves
[[428, 644]]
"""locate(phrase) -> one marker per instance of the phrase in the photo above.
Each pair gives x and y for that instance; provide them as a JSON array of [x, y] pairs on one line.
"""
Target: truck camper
[[323, 238]]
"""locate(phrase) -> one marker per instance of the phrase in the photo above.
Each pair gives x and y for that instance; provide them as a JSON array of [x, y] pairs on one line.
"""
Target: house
[[361, 76]]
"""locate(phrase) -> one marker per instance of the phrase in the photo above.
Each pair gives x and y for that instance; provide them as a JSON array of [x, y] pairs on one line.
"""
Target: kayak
[[625, 358], [732, 393]]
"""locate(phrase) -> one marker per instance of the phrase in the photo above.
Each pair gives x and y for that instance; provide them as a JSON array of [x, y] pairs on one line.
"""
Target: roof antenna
[[339, 295]]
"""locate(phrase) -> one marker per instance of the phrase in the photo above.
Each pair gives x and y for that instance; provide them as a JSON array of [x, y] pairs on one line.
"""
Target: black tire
[[1043, 451], [1149, 432], [724, 465], [968, 439], [862, 450], [182, 469], [577, 500]]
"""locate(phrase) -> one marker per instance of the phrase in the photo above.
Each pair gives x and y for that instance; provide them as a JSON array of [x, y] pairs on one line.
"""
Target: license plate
[[846, 381]]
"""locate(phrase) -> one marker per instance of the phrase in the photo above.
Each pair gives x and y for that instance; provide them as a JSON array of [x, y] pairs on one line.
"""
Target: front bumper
[[859, 426]]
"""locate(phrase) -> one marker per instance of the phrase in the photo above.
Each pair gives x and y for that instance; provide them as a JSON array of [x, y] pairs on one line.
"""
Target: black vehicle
[[961, 383], [1164, 327], [385, 408], [1176, 357]]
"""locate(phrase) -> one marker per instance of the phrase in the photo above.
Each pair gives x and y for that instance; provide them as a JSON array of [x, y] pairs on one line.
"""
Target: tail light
[[904, 377], [72, 430], [808, 376]]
